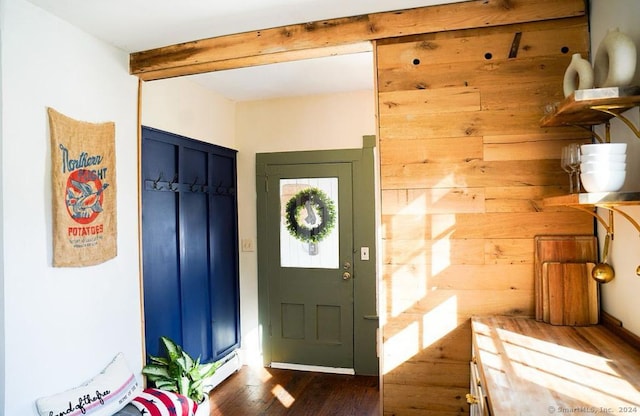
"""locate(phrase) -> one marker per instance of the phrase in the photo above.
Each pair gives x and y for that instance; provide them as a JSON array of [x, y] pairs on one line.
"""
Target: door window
[[309, 235]]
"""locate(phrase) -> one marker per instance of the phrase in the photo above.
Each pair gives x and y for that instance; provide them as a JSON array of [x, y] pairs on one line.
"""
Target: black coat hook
[[172, 182], [155, 183], [193, 187]]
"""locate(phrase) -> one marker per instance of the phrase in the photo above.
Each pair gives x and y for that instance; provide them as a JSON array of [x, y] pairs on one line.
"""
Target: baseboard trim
[[231, 364], [314, 368], [615, 325]]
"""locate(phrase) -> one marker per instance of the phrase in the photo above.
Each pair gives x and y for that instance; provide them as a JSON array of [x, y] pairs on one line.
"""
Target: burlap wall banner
[[83, 172]]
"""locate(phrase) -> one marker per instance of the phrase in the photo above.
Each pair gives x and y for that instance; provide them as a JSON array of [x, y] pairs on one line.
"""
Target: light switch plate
[[364, 253]]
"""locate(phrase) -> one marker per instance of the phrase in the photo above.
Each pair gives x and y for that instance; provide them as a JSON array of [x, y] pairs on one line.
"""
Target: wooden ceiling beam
[[245, 61], [338, 36]]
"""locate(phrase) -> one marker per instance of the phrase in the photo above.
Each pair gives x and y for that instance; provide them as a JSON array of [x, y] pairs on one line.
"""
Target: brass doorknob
[[346, 276]]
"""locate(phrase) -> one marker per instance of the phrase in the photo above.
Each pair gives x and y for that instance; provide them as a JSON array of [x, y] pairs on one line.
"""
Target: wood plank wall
[[464, 166]]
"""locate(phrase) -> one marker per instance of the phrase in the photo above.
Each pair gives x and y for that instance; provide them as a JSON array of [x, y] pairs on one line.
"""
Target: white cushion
[[105, 394]]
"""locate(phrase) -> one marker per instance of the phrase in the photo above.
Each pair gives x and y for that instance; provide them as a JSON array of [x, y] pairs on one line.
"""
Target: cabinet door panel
[[225, 293], [194, 246], [196, 325], [224, 246], [160, 254]]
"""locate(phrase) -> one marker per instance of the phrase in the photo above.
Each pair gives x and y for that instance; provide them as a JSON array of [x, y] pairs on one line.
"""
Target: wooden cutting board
[[563, 249], [570, 295]]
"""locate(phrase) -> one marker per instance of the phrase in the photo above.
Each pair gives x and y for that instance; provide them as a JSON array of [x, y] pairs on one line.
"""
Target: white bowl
[[603, 158], [603, 173], [603, 148], [603, 181], [602, 166]]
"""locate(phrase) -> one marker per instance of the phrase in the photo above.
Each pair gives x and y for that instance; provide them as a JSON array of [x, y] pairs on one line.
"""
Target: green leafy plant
[[178, 371]]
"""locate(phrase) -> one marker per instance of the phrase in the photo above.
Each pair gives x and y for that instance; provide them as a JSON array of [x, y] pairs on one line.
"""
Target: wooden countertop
[[533, 368]]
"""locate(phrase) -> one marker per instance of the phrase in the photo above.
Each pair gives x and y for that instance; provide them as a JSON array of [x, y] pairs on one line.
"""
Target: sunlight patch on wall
[[408, 286], [442, 225], [416, 204], [428, 201], [441, 254], [404, 345], [439, 321], [382, 301], [420, 334], [438, 194], [420, 228]]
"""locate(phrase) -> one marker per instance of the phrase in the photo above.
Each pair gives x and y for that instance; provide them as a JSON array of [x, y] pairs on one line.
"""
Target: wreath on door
[[310, 215]]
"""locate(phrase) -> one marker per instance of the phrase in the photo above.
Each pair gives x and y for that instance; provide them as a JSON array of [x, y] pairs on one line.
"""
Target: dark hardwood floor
[[267, 391]]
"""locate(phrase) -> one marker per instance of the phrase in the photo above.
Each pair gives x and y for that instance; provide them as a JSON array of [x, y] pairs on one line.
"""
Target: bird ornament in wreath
[[310, 216]]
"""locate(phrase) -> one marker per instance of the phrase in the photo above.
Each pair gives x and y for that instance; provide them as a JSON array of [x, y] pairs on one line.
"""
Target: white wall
[[61, 325], [180, 106], [619, 297], [336, 121]]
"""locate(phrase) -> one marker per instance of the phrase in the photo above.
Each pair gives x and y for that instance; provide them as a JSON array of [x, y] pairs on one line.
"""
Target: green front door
[[309, 257]]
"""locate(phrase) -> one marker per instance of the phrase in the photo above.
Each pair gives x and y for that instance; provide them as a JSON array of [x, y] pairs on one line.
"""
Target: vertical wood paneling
[[464, 168]]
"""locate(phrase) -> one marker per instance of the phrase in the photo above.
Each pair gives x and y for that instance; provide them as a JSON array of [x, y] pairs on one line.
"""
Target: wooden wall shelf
[[593, 106], [612, 201], [594, 199]]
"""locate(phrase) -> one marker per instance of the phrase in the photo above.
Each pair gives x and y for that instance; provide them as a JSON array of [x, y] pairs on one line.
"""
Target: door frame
[[365, 277]]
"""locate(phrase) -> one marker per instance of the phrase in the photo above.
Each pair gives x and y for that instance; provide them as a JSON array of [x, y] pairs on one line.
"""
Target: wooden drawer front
[[477, 399]]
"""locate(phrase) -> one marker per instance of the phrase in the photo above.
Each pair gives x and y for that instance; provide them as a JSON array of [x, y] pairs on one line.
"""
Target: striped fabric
[[155, 402]]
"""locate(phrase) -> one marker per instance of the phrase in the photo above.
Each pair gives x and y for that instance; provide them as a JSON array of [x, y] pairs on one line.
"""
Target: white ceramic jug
[[578, 68]]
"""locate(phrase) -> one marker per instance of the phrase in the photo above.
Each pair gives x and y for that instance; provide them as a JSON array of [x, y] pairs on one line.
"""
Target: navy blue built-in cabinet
[[190, 245]]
